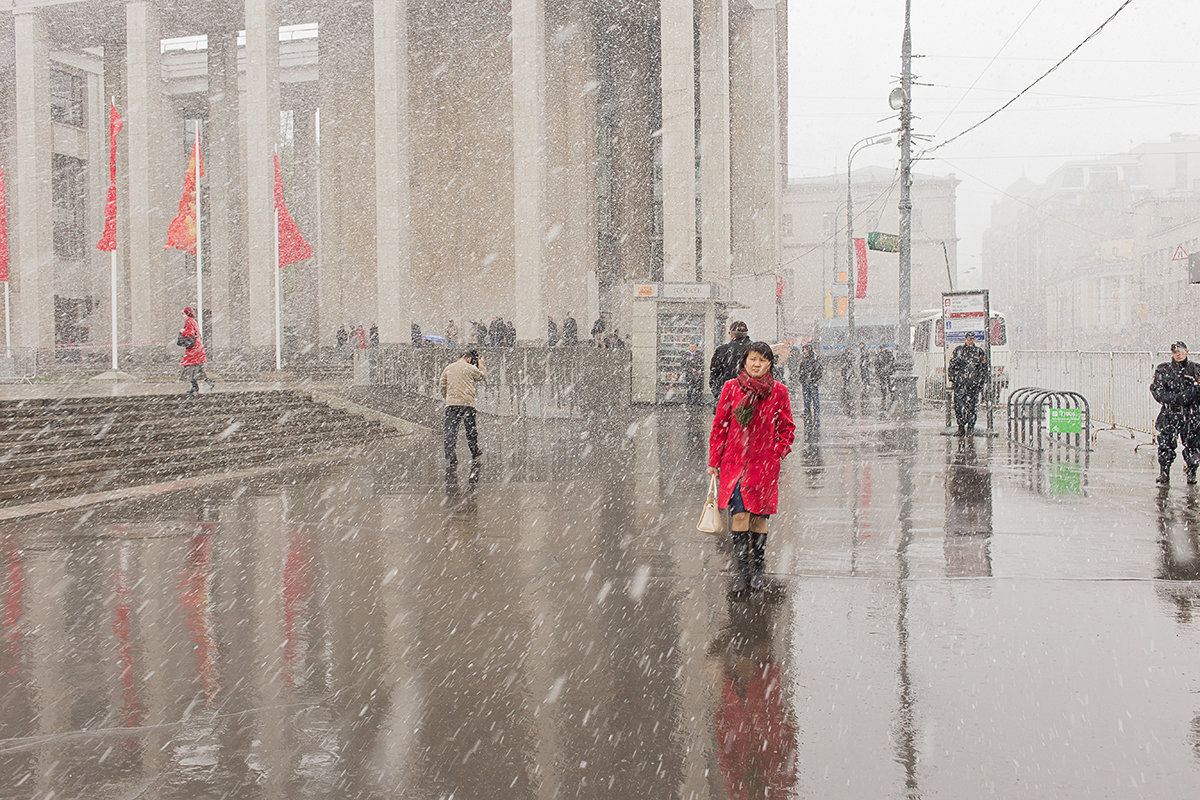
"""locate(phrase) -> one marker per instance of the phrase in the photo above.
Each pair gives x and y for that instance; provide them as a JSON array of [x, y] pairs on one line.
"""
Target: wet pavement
[[946, 619]]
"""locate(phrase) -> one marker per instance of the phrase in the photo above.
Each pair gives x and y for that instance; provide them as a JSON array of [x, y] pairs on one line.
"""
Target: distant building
[[1080, 260], [815, 247], [446, 160]]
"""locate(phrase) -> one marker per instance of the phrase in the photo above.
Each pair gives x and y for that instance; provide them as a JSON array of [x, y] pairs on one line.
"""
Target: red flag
[[108, 241], [292, 245], [181, 234], [3, 232], [860, 286]]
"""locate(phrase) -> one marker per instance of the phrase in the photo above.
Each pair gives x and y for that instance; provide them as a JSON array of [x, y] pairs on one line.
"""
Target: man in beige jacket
[[458, 387]]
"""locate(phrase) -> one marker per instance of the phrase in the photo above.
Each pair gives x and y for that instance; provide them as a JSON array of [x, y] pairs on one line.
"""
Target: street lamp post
[[851, 272], [906, 381]]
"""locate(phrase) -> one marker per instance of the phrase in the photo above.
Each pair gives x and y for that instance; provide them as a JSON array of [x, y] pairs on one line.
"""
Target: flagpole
[[199, 239], [278, 343], [113, 270], [7, 330]]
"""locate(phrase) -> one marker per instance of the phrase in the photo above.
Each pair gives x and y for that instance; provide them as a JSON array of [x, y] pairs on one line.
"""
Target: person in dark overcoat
[[1176, 386]]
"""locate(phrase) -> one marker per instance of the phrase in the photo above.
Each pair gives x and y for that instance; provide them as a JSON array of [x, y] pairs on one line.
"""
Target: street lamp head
[[880, 140], [896, 98]]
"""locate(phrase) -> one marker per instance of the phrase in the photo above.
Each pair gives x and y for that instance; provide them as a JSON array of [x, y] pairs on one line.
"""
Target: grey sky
[[1137, 81]]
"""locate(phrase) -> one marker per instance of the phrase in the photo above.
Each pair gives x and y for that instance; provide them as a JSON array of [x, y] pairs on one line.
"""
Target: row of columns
[[364, 244]]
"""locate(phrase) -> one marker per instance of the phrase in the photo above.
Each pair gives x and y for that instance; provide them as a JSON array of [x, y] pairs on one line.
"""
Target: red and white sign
[[1180, 254]]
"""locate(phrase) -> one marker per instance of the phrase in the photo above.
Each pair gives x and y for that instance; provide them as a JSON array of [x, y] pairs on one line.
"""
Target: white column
[[529, 167], [261, 131], [394, 294], [678, 140], [714, 141], [31, 271], [149, 212]]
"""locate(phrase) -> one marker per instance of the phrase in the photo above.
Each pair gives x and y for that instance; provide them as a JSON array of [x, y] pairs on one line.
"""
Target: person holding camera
[[457, 385], [192, 363]]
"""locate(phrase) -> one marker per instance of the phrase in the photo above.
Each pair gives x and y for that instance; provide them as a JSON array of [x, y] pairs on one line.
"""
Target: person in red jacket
[[752, 433], [194, 358]]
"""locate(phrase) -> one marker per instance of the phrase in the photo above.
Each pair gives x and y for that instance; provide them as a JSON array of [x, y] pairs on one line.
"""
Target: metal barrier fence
[[1031, 419], [18, 364], [1116, 383], [522, 381]]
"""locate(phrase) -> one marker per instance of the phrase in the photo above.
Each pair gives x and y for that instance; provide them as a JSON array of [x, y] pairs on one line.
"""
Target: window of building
[[1103, 177], [66, 98], [68, 191]]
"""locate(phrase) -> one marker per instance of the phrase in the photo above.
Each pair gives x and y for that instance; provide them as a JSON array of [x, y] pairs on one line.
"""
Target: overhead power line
[[1039, 79]]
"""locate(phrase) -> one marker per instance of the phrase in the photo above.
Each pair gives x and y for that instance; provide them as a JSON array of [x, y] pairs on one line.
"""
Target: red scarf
[[756, 389]]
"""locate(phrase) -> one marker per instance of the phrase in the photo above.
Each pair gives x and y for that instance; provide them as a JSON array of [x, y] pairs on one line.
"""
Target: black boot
[[1164, 473], [741, 552], [758, 557]]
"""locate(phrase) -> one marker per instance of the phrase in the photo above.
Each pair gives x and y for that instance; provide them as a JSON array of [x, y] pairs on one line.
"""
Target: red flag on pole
[[292, 245], [860, 286], [3, 233], [108, 241], [181, 234]]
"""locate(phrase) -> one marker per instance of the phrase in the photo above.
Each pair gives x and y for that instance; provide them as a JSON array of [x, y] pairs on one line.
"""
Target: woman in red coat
[[192, 363], [751, 434]]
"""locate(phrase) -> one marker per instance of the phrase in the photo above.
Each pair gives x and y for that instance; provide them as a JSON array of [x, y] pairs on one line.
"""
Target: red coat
[[752, 454], [194, 354]]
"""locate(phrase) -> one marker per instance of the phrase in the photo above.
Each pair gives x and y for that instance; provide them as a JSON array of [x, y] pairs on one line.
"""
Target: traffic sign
[[884, 242], [1180, 254]]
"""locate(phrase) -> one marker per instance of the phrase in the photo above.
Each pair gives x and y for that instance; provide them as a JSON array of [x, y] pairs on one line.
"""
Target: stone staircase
[[60, 447]]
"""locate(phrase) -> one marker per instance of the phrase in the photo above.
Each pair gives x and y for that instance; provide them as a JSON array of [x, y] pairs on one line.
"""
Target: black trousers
[[964, 408], [455, 414], [1184, 428]]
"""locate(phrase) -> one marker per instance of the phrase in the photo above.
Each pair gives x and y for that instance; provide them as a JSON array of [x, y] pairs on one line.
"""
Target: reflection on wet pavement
[[550, 624]]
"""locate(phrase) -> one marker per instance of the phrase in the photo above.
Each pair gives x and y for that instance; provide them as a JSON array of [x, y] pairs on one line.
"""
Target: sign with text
[[1066, 420], [963, 313], [883, 242]]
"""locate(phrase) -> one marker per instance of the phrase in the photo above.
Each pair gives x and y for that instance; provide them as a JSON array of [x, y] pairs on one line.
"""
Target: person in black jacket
[[885, 368], [1176, 386], [570, 331], [968, 372], [727, 359], [808, 375]]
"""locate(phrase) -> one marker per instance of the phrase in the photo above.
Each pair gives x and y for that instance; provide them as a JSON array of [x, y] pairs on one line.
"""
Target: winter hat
[[188, 312], [1178, 346]]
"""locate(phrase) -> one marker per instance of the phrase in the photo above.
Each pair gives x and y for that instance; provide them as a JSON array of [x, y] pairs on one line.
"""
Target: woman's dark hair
[[763, 349]]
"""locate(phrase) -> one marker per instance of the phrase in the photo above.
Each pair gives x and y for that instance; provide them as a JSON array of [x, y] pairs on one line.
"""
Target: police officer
[[1176, 387], [968, 372], [727, 359]]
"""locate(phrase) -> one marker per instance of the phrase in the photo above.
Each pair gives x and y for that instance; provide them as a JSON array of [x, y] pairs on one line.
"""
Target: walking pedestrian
[[885, 368], [551, 331], [752, 433], [510, 334], [194, 358], [847, 370], [415, 335], [373, 335], [1176, 386], [360, 337], [570, 331], [808, 375], [864, 371], [342, 337], [692, 367], [968, 373], [727, 359], [457, 384], [452, 334]]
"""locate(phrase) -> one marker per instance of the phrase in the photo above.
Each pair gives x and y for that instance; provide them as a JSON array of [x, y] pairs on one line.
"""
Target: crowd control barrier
[[1039, 417]]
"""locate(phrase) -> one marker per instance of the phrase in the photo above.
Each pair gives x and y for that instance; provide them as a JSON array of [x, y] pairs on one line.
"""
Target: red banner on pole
[[860, 285], [293, 246], [181, 234], [108, 241]]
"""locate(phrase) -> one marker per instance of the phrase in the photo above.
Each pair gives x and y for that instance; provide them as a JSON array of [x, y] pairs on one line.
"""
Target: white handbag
[[711, 520]]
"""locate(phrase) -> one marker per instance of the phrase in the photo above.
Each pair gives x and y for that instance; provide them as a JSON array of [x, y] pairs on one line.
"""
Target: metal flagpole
[[199, 239], [7, 329], [278, 348], [113, 275]]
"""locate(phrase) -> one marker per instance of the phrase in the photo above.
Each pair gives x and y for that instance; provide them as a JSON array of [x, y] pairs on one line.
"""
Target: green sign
[[885, 242], [1066, 420]]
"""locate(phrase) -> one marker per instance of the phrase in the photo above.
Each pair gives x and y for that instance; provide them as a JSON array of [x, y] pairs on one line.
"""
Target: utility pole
[[851, 268], [906, 381]]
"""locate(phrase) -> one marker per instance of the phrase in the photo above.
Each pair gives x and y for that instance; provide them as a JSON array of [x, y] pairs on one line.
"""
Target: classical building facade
[[815, 255], [447, 160], [1084, 260]]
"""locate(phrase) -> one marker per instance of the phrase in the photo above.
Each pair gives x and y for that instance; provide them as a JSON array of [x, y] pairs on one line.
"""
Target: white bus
[[929, 360]]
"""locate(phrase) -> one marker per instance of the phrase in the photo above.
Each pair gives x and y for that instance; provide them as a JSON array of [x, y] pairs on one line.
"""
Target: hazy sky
[[1138, 80]]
